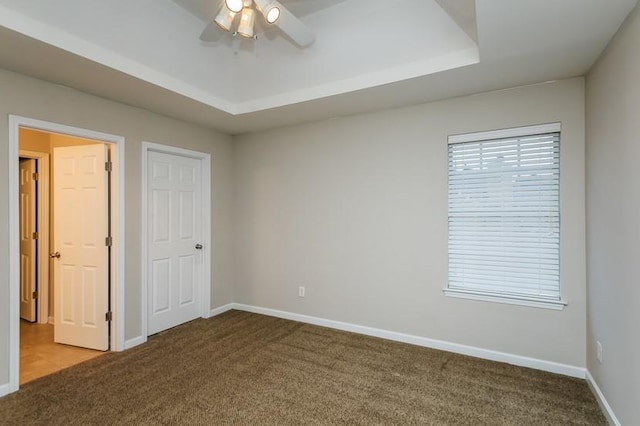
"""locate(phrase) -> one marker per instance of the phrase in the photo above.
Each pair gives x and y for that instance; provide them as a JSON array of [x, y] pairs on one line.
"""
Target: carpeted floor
[[242, 368]]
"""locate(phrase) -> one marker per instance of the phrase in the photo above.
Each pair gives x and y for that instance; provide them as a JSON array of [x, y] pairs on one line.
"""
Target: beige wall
[[40, 100], [613, 220], [355, 210], [32, 140]]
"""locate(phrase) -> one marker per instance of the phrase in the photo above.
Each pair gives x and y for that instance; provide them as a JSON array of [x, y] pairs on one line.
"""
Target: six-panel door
[[174, 229], [80, 218], [27, 241]]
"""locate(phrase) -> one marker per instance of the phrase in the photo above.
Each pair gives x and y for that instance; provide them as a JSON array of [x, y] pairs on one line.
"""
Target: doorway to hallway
[[84, 258]]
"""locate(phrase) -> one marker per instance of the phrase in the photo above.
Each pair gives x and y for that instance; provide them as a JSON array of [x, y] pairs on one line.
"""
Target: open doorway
[[66, 259], [45, 206]]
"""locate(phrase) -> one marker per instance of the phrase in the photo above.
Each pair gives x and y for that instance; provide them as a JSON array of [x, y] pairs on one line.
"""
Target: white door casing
[[28, 253], [174, 266], [11, 327], [81, 295]]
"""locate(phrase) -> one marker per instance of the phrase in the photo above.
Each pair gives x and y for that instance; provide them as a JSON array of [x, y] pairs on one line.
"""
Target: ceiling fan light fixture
[[247, 19], [269, 9], [225, 18], [272, 15], [234, 5]]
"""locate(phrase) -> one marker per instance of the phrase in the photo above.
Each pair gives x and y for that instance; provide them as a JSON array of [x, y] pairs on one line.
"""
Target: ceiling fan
[[271, 10]]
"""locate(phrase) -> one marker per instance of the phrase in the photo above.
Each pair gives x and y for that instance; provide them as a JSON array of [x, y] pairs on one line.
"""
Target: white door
[[80, 216], [174, 261], [27, 239]]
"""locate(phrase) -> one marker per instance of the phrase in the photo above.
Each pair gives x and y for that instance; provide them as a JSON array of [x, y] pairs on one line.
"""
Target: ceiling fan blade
[[294, 28], [211, 32]]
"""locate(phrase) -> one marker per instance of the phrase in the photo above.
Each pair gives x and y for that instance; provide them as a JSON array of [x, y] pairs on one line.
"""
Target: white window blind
[[504, 216]]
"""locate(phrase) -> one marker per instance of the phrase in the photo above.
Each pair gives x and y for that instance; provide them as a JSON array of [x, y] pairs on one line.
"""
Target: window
[[504, 216]]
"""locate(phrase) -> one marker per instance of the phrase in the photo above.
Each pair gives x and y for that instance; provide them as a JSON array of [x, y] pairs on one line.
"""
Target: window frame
[[514, 299]]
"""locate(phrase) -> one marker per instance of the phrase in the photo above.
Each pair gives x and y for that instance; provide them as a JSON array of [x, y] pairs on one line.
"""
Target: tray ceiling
[[367, 55]]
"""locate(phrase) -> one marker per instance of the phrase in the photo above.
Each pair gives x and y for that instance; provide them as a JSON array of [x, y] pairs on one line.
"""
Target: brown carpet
[[242, 368]]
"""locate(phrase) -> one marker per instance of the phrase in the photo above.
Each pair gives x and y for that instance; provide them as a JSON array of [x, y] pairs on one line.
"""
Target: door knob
[[55, 255], [198, 246]]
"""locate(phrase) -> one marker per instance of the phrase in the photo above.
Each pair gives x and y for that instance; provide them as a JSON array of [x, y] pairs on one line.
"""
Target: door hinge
[[108, 316], [34, 236], [108, 166], [108, 241], [35, 176], [34, 295]]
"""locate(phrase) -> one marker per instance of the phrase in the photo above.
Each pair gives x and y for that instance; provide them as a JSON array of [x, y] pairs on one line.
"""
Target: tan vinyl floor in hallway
[[40, 356]]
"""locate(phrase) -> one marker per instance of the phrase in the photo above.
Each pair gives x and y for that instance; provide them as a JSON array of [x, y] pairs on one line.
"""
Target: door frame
[[42, 243], [207, 252], [116, 144]]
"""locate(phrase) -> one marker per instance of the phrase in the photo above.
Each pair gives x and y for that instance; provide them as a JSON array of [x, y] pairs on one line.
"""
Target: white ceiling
[[368, 54]]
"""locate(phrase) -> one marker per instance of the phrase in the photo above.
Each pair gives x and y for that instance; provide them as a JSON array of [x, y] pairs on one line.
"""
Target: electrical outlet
[[599, 351], [300, 291]]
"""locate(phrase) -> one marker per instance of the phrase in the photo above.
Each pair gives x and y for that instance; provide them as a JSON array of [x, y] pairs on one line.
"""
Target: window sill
[[557, 305]]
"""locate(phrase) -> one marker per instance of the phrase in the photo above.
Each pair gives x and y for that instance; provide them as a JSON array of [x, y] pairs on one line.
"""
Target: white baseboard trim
[[221, 309], [522, 361], [602, 401], [5, 389], [51, 320], [132, 343]]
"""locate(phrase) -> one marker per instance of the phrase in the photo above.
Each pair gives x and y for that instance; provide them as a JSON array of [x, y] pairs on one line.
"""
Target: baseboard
[[132, 343], [602, 401], [51, 320], [221, 309], [538, 364], [6, 389]]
